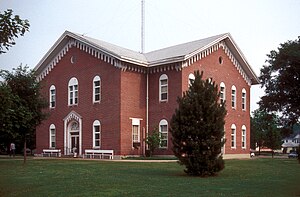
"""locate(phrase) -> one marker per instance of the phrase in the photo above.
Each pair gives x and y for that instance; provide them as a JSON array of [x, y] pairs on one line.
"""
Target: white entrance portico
[[72, 134]]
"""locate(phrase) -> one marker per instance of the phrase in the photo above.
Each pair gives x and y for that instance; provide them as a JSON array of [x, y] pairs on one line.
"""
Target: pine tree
[[197, 128]]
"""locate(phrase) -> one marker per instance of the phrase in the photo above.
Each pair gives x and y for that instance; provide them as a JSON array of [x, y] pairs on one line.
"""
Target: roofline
[[249, 71], [244, 59]]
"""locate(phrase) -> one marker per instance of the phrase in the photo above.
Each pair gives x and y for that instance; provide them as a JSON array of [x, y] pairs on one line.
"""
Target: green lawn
[[42, 177]]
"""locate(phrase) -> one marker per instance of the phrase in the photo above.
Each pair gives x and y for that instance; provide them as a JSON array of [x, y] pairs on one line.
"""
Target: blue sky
[[257, 26]]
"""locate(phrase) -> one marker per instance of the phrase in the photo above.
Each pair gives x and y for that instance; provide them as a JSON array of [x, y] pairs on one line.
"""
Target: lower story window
[[96, 134], [135, 132], [233, 136], [163, 131], [52, 136]]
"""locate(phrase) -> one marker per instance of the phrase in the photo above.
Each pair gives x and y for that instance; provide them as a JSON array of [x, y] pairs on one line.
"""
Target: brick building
[[102, 96]]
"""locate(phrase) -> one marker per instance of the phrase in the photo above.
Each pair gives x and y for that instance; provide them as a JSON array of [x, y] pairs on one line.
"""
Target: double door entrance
[[73, 139]]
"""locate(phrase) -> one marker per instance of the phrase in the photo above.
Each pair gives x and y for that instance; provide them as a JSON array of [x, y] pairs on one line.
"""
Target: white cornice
[[69, 40]]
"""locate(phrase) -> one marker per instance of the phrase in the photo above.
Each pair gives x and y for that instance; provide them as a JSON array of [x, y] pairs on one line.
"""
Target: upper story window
[[96, 134], [243, 136], [222, 92], [163, 131], [191, 79], [73, 91], [52, 136], [233, 97], [163, 88], [96, 89], [52, 95], [243, 99], [233, 136]]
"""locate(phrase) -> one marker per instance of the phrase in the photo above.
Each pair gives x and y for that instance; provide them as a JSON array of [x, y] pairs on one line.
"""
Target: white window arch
[[163, 88], [52, 96], [244, 99], [191, 79], [233, 97], [222, 92], [96, 134], [163, 132], [73, 91], [233, 136], [52, 136], [244, 137], [96, 89]]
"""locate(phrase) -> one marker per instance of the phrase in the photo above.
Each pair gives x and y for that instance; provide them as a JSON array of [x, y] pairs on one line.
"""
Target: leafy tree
[[153, 141], [265, 130], [11, 27], [197, 128], [6, 104], [25, 104], [257, 132], [281, 80]]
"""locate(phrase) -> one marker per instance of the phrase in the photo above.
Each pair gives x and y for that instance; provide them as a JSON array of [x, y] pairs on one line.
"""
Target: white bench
[[51, 153], [91, 153]]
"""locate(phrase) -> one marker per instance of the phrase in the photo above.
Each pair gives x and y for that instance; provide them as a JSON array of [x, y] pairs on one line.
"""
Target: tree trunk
[[25, 154]]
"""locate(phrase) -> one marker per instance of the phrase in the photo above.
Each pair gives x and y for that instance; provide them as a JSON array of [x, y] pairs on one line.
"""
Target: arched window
[[52, 96], [233, 97], [52, 136], [163, 132], [96, 134], [233, 136], [73, 91], [191, 79], [244, 137], [163, 88], [222, 92], [96, 89], [244, 99]]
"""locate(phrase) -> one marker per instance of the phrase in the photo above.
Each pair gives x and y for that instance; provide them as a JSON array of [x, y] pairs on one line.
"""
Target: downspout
[[147, 109]]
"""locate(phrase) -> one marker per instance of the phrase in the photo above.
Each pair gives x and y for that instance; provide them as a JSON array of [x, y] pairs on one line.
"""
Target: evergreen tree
[[197, 128]]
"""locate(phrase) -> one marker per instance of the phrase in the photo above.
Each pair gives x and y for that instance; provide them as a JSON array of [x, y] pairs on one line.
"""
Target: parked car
[[293, 155]]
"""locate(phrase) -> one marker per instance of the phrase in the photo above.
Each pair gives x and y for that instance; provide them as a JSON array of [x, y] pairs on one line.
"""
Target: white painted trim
[[72, 116], [163, 77], [52, 126]]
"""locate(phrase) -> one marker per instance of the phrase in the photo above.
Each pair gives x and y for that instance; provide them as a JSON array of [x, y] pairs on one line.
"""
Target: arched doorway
[[73, 134]]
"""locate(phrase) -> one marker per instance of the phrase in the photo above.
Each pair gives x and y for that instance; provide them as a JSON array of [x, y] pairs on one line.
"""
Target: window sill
[[163, 101]]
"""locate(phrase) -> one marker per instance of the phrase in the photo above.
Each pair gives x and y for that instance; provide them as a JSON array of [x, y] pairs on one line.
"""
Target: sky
[[257, 26]]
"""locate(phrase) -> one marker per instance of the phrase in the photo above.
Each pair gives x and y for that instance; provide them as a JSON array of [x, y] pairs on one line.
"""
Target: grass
[[42, 177]]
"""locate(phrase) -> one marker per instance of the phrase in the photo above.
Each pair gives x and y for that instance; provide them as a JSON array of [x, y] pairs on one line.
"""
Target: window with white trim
[[135, 131], [163, 88], [233, 136], [233, 97], [52, 136], [96, 89], [52, 95], [191, 79], [244, 137], [222, 92], [73, 91], [244, 99], [96, 134], [163, 132]]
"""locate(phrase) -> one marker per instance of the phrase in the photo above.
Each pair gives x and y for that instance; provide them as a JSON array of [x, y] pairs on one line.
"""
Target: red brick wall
[[159, 110], [133, 105], [123, 96], [107, 111], [178, 82]]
